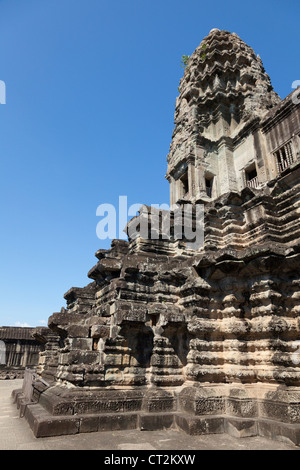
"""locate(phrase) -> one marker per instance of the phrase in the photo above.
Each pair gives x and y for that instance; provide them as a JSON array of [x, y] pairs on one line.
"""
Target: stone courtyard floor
[[15, 434]]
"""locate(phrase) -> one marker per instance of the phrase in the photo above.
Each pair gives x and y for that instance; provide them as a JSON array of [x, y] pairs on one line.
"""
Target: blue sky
[[90, 96]]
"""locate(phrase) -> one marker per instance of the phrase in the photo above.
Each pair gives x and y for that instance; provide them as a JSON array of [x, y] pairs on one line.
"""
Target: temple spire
[[224, 89]]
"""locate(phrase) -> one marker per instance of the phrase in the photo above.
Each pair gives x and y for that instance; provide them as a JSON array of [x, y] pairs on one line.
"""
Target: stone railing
[[253, 183]]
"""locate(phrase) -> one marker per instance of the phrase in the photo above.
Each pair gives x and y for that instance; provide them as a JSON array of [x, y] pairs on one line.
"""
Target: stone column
[[201, 190], [25, 356], [178, 190], [191, 176], [227, 176], [172, 190]]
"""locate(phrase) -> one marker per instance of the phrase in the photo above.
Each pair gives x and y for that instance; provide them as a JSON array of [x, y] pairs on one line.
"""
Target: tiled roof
[[13, 332]]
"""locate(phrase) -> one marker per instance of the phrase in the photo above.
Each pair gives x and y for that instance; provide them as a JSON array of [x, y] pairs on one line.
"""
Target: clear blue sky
[[91, 88]]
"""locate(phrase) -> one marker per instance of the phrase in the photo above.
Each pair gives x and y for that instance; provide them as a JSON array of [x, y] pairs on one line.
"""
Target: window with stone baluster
[[250, 176], [284, 157]]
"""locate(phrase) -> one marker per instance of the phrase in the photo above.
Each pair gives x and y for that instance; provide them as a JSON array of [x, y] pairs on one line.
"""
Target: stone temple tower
[[217, 144], [206, 340]]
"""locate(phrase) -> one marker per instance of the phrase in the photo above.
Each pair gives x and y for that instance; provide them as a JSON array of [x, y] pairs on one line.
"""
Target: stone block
[[158, 401], [213, 405], [56, 404], [89, 423], [107, 401], [202, 400], [79, 357], [240, 427], [241, 407], [45, 425], [279, 431], [273, 409], [81, 343], [155, 422], [200, 425], [118, 422], [136, 315], [78, 331], [99, 331]]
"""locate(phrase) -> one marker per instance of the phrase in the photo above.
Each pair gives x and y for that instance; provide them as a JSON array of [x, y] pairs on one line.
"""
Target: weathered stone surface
[[241, 428], [154, 422], [99, 331]]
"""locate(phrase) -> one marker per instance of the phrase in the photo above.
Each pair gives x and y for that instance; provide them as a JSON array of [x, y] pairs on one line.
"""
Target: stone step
[[43, 424]]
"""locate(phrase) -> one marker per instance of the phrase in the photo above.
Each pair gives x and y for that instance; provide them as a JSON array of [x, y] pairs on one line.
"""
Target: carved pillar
[[172, 182], [191, 176], [201, 190], [227, 175]]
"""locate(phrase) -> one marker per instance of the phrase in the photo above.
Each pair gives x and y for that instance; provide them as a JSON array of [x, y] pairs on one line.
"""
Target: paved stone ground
[[15, 434]]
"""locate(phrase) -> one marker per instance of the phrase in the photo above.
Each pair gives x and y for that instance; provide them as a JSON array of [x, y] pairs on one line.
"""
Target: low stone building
[[206, 340], [18, 349]]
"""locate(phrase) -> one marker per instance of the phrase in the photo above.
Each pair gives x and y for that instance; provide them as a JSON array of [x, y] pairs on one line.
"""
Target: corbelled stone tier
[[226, 313]]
